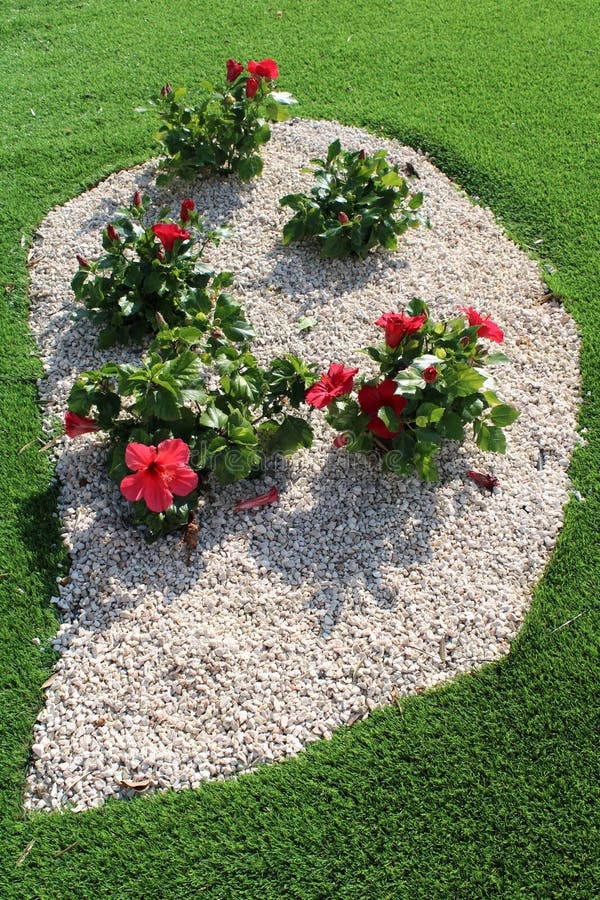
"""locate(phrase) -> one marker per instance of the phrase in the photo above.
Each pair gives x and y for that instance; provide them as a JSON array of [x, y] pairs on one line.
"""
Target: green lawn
[[488, 787]]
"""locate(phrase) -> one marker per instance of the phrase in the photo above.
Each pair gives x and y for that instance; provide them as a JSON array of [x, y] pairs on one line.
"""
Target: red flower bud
[[362, 154], [343, 218], [186, 208], [340, 440], [234, 69], [112, 234], [137, 199], [251, 87], [266, 68], [217, 334], [165, 90], [83, 262], [430, 374]]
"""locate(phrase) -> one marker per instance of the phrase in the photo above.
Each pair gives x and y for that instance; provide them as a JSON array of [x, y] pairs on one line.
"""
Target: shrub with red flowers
[[149, 273], [198, 404], [224, 129], [433, 383], [358, 202]]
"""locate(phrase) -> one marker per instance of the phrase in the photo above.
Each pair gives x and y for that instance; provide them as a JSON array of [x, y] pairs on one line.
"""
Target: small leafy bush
[[357, 202], [433, 384], [225, 128], [149, 274], [198, 403]]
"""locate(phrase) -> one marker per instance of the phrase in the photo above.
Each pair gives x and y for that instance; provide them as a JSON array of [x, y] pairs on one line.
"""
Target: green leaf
[[408, 382], [450, 426], [503, 415], [249, 168], [416, 201], [214, 418], [462, 380], [305, 323], [494, 359], [291, 435], [390, 419], [491, 438]]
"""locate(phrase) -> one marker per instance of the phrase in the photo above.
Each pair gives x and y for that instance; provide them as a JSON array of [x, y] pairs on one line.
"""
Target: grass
[[487, 787]]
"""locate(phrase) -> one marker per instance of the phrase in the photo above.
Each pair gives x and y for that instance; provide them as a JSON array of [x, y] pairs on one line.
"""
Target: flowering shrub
[[149, 274], [224, 130], [199, 402], [433, 383], [357, 202]]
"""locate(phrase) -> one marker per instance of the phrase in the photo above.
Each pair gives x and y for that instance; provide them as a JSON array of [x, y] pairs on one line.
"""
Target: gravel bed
[[293, 619]]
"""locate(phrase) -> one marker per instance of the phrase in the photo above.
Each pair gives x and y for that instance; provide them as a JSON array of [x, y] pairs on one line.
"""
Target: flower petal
[[139, 456], [184, 481], [132, 486], [156, 494], [368, 399], [173, 452]]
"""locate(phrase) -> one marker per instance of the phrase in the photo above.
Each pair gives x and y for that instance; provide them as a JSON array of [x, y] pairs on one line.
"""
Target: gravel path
[[294, 619]]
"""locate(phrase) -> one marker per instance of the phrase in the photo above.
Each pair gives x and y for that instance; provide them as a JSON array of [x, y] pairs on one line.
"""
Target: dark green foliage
[[230, 429], [439, 369], [223, 131], [357, 202], [139, 283]]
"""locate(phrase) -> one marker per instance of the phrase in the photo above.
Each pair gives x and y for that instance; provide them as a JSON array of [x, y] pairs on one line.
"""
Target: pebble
[[294, 619]]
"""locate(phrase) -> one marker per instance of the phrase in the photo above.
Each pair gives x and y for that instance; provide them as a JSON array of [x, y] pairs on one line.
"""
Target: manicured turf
[[488, 787]]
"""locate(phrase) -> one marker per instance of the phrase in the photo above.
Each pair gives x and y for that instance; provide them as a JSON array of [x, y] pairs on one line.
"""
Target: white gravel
[[293, 619]]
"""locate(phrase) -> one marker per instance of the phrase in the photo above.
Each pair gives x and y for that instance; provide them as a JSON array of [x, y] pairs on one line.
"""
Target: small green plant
[[357, 202], [198, 403], [149, 274], [433, 383], [225, 128]]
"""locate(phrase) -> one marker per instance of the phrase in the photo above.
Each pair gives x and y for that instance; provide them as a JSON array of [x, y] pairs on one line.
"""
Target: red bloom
[[187, 206], [165, 90], [83, 262], [168, 234], [488, 328], [430, 374], [159, 473], [234, 69], [271, 496], [137, 199], [343, 218], [340, 440], [373, 398], [76, 425], [266, 68], [335, 383], [251, 87], [398, 325], [112, 233]]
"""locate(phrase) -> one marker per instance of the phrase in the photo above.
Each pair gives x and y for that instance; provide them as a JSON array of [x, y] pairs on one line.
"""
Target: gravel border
[[297, 618]]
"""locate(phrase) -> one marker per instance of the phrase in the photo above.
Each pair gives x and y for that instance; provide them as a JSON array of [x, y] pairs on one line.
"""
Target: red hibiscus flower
[[373, 398], [251, 87], [397, 325], [76, 425], [234, 69], [430, 374], [336, 382], [266, 68], [160, 472], [187, 206], [488, 329], [168, 234]]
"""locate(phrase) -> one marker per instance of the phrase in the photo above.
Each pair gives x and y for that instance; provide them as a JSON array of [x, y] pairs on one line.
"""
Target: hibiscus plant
[[357, 202], [225, 128], [433, 383], [149, 274], [198, 403]]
